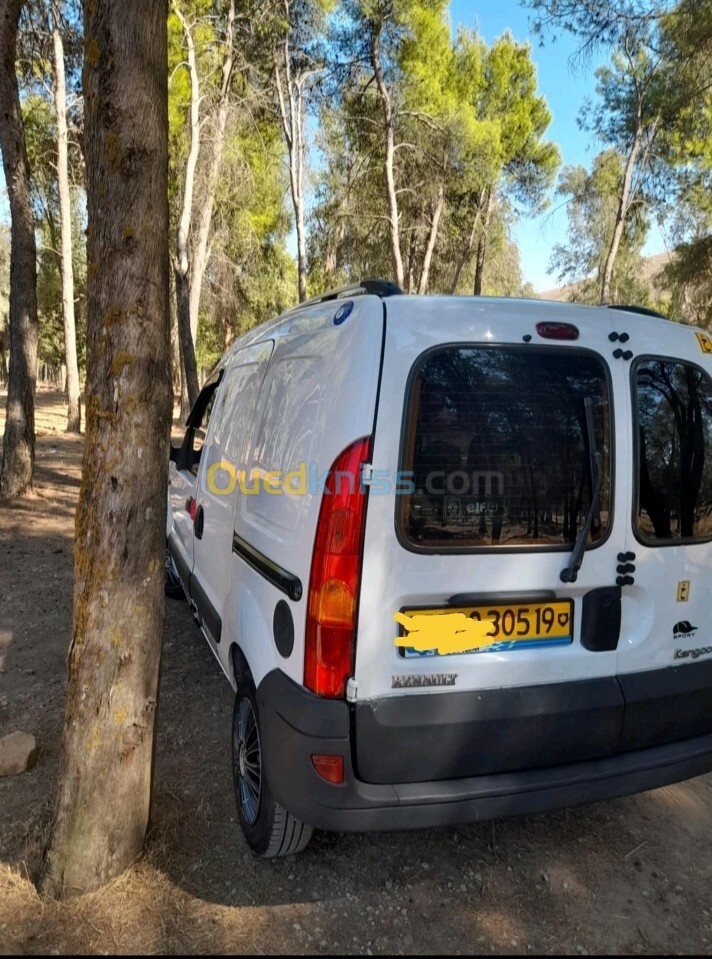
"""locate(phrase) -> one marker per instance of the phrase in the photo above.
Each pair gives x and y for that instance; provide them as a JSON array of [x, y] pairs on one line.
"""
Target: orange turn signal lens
[[333, 604]]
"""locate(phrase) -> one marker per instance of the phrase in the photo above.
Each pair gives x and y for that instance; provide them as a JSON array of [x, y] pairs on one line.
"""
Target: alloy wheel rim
[[247, 761], [172, 577]]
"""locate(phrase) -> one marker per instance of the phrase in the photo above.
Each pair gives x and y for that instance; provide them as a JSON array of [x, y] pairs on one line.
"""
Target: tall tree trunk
[[181, 263], [621, 213], [389, 171], [175, 347], [299, 206], [296, 175], [410, 262], [334, 251], [290, 96], [469, 246], [4, 349], [65, 227], [482, 243], [114, 658], [432, 239], [18, 451], [205, 216]]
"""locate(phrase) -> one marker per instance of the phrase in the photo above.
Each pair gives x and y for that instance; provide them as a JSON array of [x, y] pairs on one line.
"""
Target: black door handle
[[199, 523]]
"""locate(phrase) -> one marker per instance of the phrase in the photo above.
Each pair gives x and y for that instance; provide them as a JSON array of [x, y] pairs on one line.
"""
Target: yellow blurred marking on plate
[[446, 633]]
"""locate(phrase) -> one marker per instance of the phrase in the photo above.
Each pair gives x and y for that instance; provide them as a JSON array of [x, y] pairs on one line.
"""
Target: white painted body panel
[[179, 526]]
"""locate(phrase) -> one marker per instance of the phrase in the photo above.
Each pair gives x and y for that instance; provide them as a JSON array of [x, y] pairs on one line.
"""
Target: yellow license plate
[[513, 627]]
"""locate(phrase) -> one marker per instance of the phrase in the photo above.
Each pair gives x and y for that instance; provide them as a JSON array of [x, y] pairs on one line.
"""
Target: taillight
[[557, 331], [334, 580]]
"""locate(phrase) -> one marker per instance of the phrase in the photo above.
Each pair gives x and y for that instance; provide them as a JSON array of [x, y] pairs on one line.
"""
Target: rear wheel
[[172, 587], [269, 829]]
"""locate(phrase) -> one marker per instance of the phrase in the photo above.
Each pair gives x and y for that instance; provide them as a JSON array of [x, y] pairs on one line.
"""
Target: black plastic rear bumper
[[296, 725]]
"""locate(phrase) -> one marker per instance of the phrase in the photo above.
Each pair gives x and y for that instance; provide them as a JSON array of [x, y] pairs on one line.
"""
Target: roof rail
[[376, 287], [643, 310]]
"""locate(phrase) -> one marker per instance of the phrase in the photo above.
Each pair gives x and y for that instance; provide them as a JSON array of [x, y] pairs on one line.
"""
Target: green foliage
[[200, 15], [468, 119], [469, 123], [686, 39], [595, 23], [689, 278], [41, 142], [592, 202], [520, 117], [251, 276], [662, 66]]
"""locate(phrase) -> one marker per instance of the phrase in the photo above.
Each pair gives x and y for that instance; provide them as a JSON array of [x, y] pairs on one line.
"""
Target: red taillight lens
[[557, 331], [334, 580], [330, 768]]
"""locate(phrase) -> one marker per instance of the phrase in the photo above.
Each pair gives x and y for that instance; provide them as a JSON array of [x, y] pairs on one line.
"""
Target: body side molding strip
[[281, 578]]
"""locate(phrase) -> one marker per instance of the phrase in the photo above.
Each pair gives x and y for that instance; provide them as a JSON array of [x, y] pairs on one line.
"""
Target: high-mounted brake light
[[335, 572], [557, 331]]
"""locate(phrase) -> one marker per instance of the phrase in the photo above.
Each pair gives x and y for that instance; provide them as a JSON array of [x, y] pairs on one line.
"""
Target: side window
[[234, 413], [285, 440], [200, 432], [673, 402], [198, 422]]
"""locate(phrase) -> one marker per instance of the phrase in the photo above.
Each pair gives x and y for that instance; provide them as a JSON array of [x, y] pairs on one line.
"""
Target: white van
[[541, 467]]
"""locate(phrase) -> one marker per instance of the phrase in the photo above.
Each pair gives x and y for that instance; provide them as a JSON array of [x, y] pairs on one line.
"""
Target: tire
[[269, 829], [172, 587]]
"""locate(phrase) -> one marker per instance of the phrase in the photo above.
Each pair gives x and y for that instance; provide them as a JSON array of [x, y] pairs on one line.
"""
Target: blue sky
[[565, 90]]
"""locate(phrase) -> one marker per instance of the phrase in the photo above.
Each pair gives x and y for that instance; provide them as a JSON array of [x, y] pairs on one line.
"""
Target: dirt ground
[[632, 876]]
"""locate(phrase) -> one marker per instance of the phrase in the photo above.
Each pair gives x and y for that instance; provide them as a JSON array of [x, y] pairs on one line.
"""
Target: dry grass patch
[[141, 912]]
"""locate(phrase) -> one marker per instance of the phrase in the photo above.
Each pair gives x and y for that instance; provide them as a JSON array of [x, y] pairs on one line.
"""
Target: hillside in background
[[653, 267]]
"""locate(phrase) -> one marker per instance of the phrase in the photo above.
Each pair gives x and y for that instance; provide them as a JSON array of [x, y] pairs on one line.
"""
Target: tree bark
[[388, 169], [181, 264], [409, 266], [114, 658], [299, 204], [18, 452], [482, 243], [291, 111], [432, 239], [334, 251], [65, 227], [202, 252], [4, 349], [621, 213], [469, 246]]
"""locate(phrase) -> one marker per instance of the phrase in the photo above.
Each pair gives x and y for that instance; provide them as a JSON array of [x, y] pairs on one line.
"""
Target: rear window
[[674, 452], [497, 450]]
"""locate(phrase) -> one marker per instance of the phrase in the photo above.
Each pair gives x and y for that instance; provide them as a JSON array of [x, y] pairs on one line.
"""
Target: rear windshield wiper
[[570, 574]]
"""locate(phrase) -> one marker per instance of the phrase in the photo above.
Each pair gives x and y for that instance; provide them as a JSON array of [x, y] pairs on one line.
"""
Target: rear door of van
[[492, 435], [664, 659]]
